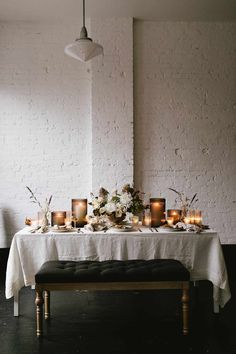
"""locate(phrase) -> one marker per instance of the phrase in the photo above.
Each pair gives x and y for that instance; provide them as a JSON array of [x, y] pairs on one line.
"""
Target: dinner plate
[[63, 230], [122, 229], [170, 230]]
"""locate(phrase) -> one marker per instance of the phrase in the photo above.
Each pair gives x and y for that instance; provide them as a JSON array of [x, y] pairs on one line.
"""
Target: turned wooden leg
[[39, 304], [185, 306], [47, 305]]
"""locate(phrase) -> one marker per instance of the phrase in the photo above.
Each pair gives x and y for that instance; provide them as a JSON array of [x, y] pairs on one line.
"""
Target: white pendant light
[[83, 48]]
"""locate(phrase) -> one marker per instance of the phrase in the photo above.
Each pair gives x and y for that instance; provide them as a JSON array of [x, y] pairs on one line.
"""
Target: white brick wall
[[112, 104], [184, 121], [45, 124], [185, 116]]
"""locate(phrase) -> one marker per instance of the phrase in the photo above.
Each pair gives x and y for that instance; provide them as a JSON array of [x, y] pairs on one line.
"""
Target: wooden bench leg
[[185, 306], [39, 304], [47, 305]]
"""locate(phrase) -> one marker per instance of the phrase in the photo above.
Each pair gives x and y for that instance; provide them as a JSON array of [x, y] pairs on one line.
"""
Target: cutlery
[[80, 231], [150, 229], [140, 230], [156, 229]]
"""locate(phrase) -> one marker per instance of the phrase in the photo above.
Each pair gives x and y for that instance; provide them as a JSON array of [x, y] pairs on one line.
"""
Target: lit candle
[[175, 213], [198, 217], [58, 218], [79, 212], [147, 218], [134, 220], [192, 216], [170, 221], [157, 208], [187, 220]]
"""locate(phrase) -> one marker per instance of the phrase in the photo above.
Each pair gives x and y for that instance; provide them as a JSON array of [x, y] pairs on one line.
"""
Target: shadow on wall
[[7, 228]]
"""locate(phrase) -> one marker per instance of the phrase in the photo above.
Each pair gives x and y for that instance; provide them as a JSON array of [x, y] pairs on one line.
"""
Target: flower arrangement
[[116, 205]]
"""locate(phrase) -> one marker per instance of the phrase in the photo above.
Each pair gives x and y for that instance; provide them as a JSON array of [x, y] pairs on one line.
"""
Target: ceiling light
[[83, 48]]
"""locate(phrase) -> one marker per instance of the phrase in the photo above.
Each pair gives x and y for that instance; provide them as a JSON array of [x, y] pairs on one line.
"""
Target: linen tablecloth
[[200, 253]]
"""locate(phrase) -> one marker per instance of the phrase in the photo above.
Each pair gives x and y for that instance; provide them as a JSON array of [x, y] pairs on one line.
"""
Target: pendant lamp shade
[[83, 48]]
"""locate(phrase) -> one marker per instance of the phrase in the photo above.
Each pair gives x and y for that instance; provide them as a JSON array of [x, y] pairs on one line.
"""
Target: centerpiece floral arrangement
[[113, 208]]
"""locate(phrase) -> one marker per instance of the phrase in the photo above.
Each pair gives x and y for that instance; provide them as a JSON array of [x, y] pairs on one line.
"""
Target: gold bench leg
[[185, 306], [47, 305], [39, 304]]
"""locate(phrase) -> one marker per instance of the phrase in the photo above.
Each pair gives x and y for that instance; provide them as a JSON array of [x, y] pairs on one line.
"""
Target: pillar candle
[[79, 212], [58, 218], [157, 208]]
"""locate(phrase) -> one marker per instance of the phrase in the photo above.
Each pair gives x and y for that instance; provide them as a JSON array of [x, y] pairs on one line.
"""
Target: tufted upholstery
[[111, 271]]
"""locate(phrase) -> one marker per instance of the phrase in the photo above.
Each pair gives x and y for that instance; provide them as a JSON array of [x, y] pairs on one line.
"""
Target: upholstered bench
[[110, 275]]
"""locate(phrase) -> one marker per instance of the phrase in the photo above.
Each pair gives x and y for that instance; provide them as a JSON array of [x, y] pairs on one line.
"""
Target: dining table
[[201, 253]]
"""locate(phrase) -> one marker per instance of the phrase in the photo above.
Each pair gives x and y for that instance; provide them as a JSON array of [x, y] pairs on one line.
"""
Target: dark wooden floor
[[115, 323]]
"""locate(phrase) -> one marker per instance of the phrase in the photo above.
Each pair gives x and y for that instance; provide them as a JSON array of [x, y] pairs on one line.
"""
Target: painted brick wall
[[112, 104], [45, 124], [185, 115]]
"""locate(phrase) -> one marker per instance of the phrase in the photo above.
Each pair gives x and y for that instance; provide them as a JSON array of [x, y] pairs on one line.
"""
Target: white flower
[[126, 199], [110, 207], [102, 210], [96, 204], [118, 213], [100, 200]]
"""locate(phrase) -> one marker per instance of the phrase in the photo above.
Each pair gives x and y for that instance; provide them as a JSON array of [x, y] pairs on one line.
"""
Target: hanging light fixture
[[83, 48]]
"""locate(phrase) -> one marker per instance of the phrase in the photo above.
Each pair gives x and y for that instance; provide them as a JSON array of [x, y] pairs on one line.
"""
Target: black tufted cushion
[[111, 271]]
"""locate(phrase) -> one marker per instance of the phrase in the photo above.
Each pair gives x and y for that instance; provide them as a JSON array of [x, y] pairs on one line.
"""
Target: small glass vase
[[43, 219]]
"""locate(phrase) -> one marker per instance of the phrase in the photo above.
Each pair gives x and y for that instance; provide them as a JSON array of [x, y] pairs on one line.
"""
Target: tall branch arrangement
[[185, 202], [36, 201]]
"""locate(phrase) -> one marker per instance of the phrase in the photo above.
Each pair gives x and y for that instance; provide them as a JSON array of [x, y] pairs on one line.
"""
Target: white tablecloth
[[200, 253]]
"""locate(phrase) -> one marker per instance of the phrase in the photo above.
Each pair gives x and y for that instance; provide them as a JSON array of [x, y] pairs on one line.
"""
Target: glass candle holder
[[191, 215], [68, 219], [157, 208], [79, 212], [175, 214], [198, 217], [58, 218], [170, 220], [134, 221], [147, 218]]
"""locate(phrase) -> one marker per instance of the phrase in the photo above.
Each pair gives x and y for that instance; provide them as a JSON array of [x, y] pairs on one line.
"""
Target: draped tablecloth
[[200, 253]]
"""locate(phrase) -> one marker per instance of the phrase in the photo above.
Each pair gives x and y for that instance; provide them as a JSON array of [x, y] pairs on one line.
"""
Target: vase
[[116, 219], [43, 218]]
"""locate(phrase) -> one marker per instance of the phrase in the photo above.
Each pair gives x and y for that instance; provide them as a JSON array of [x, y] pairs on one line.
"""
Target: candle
[[157, 208], [187, 220], [198, 217], [170, 221], [58, 218], [175, 213], [79, 212], [147, 218], [192, 216], [134, 220]]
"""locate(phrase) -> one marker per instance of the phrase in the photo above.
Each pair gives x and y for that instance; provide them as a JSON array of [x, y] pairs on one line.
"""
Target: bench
[[110, 275]]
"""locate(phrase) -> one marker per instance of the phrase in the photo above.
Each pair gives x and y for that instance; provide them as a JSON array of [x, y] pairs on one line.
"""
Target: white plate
[[170, 230], [122, 229], [63, 230]]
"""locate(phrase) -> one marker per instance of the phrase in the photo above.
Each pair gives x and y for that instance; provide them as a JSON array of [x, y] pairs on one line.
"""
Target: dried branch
[[35, 200]]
